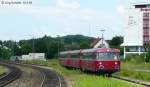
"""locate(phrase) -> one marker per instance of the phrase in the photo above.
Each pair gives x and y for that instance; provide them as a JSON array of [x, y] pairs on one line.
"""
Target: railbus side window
[[81, 56], [63, 56], [88, 56], [74, 55]]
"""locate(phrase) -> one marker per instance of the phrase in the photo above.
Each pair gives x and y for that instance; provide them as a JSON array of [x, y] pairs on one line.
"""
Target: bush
[[147, 58]]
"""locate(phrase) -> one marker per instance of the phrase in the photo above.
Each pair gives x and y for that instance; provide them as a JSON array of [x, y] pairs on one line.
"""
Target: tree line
[[50, 45]]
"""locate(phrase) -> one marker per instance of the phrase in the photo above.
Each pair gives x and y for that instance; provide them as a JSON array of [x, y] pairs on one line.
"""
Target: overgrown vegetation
[[135, 58], [135, 71], [147, 57], [77, 78], [136, 67]]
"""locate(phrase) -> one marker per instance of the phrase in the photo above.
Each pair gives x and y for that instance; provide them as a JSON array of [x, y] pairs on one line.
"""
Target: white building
[[137, 29], [34, 56], [100, 43], [25, 57]]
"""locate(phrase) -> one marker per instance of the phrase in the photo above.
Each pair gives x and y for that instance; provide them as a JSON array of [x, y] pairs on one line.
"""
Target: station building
[[137, 29], [34, 56]]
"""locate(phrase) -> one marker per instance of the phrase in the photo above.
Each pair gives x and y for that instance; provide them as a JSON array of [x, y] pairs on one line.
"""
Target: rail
[[14, 74]]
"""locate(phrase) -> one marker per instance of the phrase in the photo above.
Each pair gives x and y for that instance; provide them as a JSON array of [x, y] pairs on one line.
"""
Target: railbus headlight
[[116, 63], [100, 63]]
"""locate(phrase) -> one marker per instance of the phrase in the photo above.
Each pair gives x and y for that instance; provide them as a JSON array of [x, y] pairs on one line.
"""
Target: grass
[[3, 70], [135, 71], [135, 67], [95, 81], [80, 79]]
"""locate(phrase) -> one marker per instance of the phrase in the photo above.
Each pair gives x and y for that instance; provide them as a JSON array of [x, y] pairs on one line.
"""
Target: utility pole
[[58, 44], [102, 31], [12, 46], [33, 45], [33, 42], [33, 48]]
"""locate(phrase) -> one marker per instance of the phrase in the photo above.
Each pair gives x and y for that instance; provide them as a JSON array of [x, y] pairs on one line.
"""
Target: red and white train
[[102, 60]]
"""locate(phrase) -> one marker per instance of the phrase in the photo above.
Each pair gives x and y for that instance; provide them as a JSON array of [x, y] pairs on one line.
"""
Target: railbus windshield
[[107, 56]]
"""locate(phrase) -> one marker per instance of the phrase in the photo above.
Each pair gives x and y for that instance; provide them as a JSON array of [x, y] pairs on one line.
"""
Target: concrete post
[[124, 52], [139, 50]]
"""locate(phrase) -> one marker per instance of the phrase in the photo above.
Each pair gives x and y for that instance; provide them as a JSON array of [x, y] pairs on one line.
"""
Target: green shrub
[[147, 58]]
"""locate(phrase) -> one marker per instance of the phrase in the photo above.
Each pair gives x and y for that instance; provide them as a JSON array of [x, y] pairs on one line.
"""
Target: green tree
[[1, 42], [48, 45], [26, 48], [5, 53], [54, 48], [84, 45], [116, 41]]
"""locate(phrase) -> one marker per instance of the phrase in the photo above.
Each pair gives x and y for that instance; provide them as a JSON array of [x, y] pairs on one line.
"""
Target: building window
[[146, 15], [146, 27]]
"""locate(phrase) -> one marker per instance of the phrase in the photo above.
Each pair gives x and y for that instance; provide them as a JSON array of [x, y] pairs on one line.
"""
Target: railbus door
[[88, 61]]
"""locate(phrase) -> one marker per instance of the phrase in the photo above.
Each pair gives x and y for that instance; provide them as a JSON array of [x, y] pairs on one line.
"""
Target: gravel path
[[29, 78]]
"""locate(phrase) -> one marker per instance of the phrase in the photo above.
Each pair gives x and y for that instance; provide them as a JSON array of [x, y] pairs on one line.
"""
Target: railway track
[[132, 81], [14, 74], [50, 78]]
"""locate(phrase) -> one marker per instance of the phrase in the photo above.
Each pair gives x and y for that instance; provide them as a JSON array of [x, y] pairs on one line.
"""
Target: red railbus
[[101, 60]]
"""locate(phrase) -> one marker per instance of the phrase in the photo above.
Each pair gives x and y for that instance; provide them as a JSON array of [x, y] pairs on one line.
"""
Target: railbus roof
[[74, 51], [92, 50]]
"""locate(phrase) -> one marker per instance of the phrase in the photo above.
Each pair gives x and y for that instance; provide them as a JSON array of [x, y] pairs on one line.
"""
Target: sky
[[62, 17]]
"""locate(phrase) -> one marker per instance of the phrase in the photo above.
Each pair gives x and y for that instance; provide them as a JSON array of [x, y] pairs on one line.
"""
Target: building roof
[[95, 42], [141, 4], [131, 44], [91, 50]]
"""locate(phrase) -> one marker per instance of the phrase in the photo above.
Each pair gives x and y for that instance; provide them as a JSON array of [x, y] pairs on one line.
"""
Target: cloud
[[120, 9], [62, 10], [67, 17], [63, 4]]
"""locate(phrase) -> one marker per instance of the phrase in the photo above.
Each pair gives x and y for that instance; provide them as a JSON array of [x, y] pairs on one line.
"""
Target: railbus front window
[[108, 56]]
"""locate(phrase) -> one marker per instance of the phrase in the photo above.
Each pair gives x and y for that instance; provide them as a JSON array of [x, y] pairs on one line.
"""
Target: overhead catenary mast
[[102, 31]]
